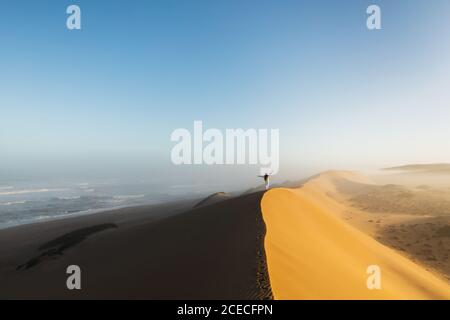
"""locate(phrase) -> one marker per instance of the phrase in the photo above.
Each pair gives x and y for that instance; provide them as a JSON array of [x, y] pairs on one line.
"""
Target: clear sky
[[107, 97]]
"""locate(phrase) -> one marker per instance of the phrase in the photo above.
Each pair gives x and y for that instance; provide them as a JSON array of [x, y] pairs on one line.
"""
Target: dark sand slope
[[210, 252]]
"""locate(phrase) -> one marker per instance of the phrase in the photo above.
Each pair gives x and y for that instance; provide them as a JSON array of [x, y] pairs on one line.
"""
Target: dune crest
[[312, 253]]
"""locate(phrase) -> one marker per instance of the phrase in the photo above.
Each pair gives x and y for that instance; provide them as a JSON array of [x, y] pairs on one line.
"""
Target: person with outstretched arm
[[266, 180]]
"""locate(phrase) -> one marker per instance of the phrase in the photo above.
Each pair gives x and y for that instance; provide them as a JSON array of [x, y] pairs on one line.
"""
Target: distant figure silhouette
[[266, 180]]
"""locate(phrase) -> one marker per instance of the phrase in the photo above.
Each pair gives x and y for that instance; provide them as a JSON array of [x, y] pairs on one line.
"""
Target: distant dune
[[214, 198], [423, 168], [395, 198], [313, 252]]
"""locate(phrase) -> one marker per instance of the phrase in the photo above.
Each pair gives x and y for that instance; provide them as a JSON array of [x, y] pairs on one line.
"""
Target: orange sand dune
[[314, 254]]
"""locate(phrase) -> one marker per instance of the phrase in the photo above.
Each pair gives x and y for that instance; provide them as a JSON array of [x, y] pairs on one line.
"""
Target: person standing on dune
[[266, 180]]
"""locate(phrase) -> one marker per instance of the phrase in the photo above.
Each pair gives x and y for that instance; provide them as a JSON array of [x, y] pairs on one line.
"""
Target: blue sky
[[109, 95]]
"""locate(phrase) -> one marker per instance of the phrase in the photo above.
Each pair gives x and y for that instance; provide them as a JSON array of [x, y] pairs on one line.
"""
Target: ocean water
[[23, 202]]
